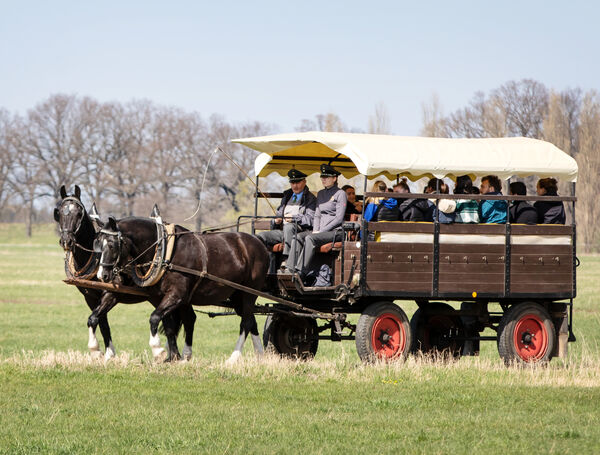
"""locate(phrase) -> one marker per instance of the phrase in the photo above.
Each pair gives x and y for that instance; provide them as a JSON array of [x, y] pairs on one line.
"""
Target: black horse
[[77, 232], [237, 257]]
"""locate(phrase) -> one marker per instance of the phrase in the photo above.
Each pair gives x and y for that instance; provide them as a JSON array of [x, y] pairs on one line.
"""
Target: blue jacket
[[492, 211]]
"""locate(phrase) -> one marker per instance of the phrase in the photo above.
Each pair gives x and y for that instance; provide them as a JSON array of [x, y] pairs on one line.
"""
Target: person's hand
[[278, 220], [358, 206]]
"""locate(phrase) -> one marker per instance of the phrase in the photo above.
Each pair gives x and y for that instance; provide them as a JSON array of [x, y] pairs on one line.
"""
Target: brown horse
[[77, 232], [237, 257]]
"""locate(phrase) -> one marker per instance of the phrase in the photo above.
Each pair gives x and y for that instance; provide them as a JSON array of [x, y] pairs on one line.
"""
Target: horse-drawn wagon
[[517, 280], [509, 283]]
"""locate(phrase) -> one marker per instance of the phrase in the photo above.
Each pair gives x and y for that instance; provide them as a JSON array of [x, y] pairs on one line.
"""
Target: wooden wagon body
[[528, 270]]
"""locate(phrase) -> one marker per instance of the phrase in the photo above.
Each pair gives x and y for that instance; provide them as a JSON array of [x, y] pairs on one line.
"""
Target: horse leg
[[244, 307], [172, 325], [188, 316], [98, 315], [169, 303], [93, 300]]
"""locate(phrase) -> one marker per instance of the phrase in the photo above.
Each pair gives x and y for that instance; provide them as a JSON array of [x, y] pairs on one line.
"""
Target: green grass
[[55, 399]]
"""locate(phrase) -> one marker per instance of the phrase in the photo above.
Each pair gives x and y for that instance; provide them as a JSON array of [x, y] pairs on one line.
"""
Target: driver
[[294, 216]]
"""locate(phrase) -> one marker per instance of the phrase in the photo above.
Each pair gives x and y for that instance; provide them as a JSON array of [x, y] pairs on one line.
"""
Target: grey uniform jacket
[[331, 207], [308, 204]]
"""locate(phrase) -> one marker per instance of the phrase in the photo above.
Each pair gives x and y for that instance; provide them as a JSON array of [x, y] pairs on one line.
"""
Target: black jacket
[[523, 213], [550, 212], [413, 210]]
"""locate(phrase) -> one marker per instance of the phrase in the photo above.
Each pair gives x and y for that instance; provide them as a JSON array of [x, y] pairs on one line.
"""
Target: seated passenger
[[492, 211], [467, 210], [329, 216], [381, 209], [446, 206], [353, 207], [521, 212], [549, 212], [410, 209]]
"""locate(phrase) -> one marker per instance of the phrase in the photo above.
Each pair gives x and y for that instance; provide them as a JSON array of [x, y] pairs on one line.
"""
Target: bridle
[[78, 203], [98, 249]]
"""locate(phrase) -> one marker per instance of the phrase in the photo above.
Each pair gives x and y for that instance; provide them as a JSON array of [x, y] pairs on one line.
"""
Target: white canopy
[[414, 157]]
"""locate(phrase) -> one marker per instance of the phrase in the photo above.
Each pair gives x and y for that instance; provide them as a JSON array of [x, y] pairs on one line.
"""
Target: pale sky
[[282, 61]]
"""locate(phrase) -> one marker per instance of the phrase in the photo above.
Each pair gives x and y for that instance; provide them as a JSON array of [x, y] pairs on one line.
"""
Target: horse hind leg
[[244, 306], [188, 317]]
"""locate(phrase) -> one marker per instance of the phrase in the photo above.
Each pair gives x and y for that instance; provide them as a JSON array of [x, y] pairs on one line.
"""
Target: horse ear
[[77, 192], [63, 192], [112, 223], [94, 211], [56, 217]]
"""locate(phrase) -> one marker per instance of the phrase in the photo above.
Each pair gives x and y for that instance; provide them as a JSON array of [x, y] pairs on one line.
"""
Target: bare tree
[[588, 159], [130, 157], [323, 122], [434, 123], [28, 173], [525, 104], [7, 153], [379, 122], [55, 138]]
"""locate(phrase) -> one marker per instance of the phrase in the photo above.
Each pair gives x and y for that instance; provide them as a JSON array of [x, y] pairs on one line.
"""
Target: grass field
[[55, 399]]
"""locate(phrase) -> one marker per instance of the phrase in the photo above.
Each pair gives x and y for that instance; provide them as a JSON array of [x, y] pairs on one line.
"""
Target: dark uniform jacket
[[308, 205], [523, 213]]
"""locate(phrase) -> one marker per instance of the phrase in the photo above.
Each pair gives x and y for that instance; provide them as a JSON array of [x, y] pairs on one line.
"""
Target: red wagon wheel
[[526, 334], [382, 332]]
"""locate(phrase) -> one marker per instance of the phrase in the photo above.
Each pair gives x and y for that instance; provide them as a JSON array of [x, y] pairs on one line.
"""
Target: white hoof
[[258, 347], [93, 344], [187, 352], [96, 354], [235, 356], [157, 350], [110, 352]]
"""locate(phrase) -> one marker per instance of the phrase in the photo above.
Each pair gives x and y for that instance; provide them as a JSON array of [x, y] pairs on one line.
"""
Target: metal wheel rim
[[387, 336], [530, 338]]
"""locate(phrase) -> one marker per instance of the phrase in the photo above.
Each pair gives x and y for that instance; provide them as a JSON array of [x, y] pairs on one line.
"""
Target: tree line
[[126, 156]]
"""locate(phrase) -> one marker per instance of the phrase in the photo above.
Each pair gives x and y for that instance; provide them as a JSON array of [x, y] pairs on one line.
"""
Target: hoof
[[235, 356], [187, 353], [109, 354], [97, 354]]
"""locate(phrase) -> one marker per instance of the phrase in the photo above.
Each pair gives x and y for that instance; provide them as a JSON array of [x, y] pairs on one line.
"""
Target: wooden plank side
[[401, 226], [399, 267], [541, 277], [446, 248], [541, 229], [479, 229], [393, 247], [541, 249], [536, 288], [472, 268], [400, 257], [469, 288], [399, 286], [413, 277], [534, 266]]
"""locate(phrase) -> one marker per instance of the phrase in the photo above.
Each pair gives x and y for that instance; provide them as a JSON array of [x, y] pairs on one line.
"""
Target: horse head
[[69, 214], [111, 247]]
